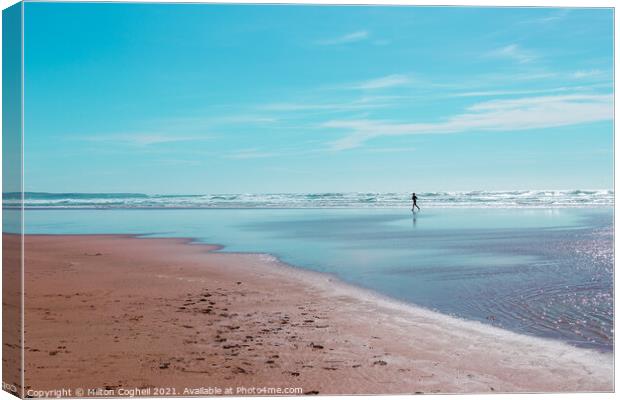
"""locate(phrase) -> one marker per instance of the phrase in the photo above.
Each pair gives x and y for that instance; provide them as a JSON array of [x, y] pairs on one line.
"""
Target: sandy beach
[[116, 312]]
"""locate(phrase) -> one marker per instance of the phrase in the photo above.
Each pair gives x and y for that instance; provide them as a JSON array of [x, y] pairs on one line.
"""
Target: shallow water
[[543, 272]]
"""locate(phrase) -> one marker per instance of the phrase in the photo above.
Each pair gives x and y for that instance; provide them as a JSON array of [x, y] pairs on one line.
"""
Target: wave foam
[[499, 199]]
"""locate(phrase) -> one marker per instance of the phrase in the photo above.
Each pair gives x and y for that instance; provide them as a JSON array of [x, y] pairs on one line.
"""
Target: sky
[[193, 98]]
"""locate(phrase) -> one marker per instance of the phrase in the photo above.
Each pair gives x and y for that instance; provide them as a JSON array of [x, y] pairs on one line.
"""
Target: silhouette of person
[[414, 198]]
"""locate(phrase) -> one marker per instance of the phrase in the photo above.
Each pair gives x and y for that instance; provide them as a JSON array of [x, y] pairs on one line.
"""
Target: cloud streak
[[489, 116], [383, 82], [243, 154], [513, 52], [361, 103], [587, 73], [556, 16], [352, 37], [146, 139]]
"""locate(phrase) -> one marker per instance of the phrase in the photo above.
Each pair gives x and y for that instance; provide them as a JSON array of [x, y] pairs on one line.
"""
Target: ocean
[[502, 199]]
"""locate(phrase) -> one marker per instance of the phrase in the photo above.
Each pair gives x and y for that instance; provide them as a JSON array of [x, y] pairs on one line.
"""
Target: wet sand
[[120, 312]]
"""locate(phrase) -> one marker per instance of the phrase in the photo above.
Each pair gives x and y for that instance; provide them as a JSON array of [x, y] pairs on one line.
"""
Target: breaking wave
[[498, 199]]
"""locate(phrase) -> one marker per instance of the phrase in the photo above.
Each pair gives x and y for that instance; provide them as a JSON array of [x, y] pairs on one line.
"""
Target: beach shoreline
[[168, 314]]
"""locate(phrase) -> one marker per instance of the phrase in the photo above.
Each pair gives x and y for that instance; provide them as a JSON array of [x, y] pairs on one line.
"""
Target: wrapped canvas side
[[12, 199]]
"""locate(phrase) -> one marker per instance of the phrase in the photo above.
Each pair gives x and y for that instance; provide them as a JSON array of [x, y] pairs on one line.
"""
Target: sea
[[515, 198], [539, 263]]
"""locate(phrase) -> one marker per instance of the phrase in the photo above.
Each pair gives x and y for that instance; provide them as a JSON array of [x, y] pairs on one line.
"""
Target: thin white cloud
[[508, 92], [145, 139], [553, 17], [383, 82], [293, 106], [587, 73], [181, 162], [390, 150], [255, 152], [344, 39], [250, 153], [493, 116], [513, 52], [362, 103], [489, 93]]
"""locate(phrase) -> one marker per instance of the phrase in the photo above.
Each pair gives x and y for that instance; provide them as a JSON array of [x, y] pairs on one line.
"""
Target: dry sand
[[120, 312]]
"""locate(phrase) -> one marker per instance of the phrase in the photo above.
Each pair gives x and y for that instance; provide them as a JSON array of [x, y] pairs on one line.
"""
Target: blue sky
[[159, 98]]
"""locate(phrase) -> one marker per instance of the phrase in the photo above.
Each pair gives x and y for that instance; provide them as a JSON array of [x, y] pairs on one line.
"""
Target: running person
[[414, 199]]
